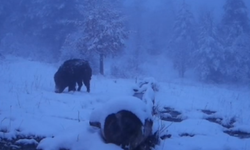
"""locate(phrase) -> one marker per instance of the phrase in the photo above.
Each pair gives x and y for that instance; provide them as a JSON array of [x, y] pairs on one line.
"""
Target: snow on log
[[125, 121]]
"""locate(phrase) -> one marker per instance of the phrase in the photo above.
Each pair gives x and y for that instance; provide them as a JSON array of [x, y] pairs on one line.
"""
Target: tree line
[[218, 51]]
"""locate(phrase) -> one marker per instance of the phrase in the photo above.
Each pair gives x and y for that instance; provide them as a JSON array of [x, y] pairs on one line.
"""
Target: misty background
[[208, 41]]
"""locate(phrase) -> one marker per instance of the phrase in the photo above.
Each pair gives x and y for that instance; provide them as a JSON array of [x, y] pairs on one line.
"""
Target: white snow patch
[[26, 141], [29, 106]]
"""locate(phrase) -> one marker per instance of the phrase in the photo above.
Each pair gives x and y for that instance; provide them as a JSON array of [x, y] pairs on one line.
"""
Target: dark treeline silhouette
[[138, 31]]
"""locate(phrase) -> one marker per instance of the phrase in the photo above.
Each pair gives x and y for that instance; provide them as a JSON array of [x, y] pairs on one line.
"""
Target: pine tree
[[183, 42], [104, 30], [238, 59], [235, 30], [42, 23], [209, 55], [234, 21], [5, 10], [137, 36], [56, 19]]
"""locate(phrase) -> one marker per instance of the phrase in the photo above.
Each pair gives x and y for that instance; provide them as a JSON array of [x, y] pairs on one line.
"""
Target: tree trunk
[[181, 68], [181, 71], [101, 64]]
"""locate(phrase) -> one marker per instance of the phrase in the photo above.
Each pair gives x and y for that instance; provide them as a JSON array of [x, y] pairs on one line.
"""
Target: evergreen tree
[[43, 22], [104, 30], [183, 42], [235, 21], [5, 10], [56, 19], [209, 55], [235, 30], [14, 15], [238, 59], [137, 37]]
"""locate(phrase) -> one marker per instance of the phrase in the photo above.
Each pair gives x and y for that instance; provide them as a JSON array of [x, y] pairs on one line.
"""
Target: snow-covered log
[[125, 121]]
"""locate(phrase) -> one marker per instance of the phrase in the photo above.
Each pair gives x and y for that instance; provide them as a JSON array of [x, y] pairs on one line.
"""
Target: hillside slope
[[196, 116]]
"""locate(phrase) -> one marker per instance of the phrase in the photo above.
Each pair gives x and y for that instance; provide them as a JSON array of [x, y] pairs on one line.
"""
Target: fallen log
[[125, 121]]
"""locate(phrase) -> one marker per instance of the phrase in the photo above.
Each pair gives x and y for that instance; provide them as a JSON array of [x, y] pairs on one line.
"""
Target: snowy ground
[[29, 106]]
